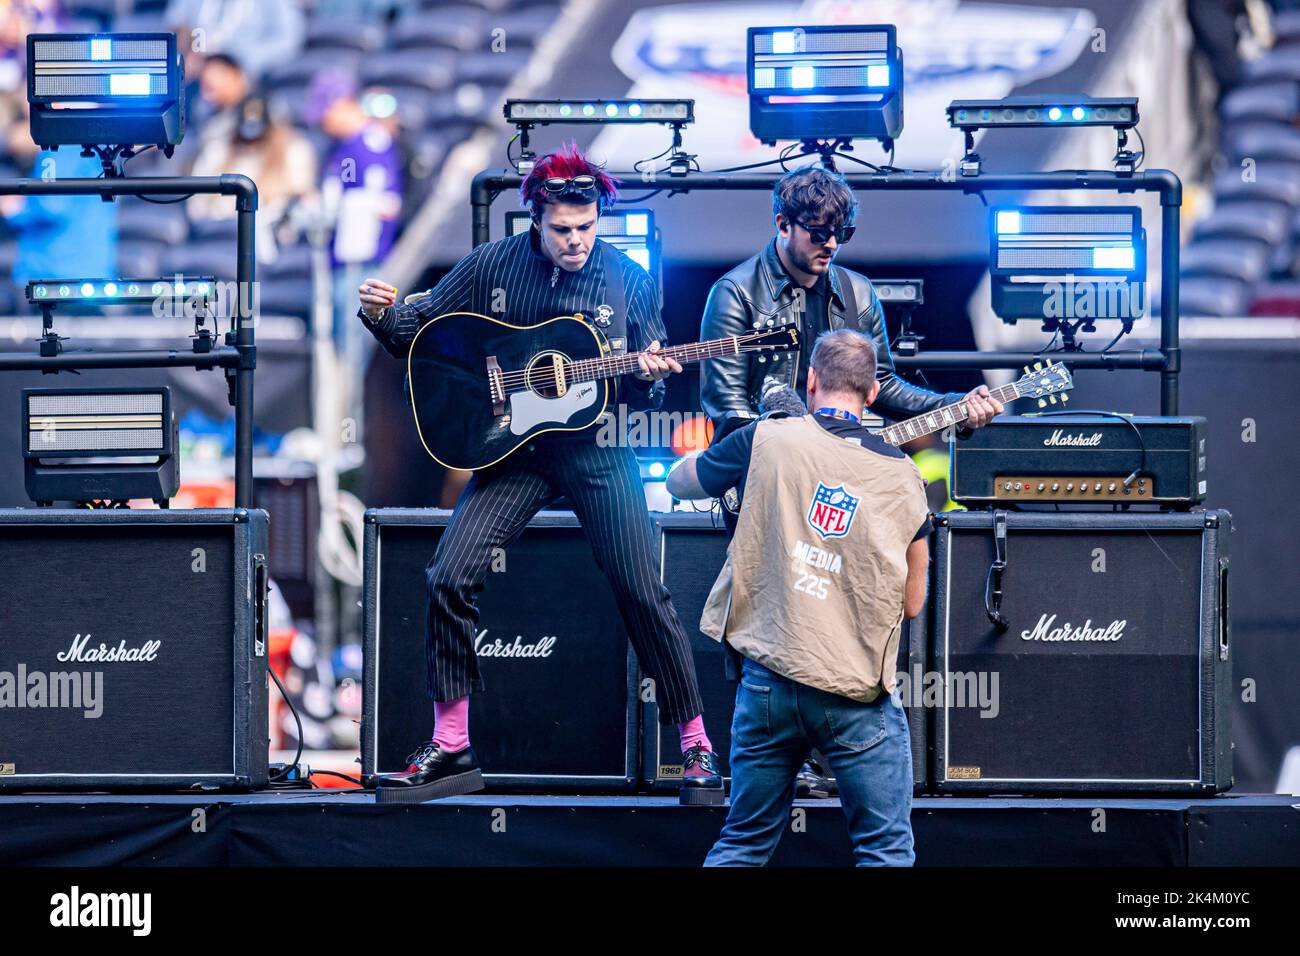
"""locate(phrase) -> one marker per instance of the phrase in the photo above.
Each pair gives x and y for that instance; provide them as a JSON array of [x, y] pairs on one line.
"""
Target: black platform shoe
[[433, 773], [702, 790]]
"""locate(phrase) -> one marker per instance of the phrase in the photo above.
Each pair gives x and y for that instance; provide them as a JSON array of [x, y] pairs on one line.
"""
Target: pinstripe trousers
[[603, 486]]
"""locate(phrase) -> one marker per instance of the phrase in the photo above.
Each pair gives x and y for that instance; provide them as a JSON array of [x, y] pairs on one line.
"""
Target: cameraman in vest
[[829, 556]]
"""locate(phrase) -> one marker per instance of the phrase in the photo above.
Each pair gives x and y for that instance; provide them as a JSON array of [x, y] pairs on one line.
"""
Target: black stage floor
[[339, 828]]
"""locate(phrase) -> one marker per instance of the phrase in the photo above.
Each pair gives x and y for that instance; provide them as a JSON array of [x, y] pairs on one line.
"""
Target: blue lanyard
[[839, 413]]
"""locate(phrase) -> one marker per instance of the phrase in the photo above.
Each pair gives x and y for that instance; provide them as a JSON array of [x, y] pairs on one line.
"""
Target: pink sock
[[693, 733], [451, 724]]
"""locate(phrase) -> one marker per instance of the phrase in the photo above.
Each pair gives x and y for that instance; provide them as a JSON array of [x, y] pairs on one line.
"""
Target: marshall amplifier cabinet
[[1109, 668], [692, 548], [133, 649], [559, 705], [1082, 458]]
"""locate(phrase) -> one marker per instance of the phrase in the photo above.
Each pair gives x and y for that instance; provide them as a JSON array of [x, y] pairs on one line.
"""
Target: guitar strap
[[613, 325], [850, 300]]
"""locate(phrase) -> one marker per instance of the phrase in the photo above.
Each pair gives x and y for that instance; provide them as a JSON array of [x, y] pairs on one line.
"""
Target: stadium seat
[[1283, 64], [291, 262], [1273, 102], [1259, 221], [1225, 258], [286, 296], [1212, 298], [324, 33], [431, 70], [151, 222], [309, 64], [494, 69], [1286, 28], [213, 230], [200, 258], [1264, 142], [137, 259], [453, 28], [1277, 183], [1280, 299]]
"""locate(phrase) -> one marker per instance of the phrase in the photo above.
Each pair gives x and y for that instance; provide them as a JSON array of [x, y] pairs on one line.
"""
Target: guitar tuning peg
[[1026, 369], [1042, 403], [1065, 398], [1052, 399], [1038, 366]]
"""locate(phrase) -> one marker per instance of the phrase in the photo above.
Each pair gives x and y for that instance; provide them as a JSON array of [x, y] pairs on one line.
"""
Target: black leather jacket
[[759, 292]]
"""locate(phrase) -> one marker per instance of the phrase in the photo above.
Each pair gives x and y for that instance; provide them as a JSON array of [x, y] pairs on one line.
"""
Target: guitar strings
[[522, 380]]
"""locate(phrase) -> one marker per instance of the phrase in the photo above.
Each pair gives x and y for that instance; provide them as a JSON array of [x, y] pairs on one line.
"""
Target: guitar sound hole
[[539, 376]]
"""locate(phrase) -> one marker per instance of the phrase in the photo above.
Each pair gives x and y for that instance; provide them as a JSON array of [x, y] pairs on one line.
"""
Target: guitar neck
[[939, 419], [589, 370]]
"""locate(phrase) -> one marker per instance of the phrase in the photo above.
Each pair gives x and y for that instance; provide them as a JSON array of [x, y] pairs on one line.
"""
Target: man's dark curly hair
[[814, 194]]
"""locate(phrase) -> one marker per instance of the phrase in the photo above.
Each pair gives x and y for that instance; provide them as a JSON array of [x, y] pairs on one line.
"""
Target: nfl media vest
[[814, 581]]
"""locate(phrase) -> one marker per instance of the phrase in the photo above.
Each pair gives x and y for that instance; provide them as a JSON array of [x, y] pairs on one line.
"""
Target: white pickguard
[[528, 409]]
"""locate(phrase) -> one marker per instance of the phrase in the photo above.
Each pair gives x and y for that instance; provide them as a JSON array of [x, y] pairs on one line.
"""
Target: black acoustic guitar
[[482, 387]]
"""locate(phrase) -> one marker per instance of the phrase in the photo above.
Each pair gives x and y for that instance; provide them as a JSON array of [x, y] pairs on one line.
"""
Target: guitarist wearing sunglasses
[[794, 280], [556, 268]]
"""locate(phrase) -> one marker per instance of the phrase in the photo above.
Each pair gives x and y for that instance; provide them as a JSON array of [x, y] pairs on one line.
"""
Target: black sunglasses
[[580, 184], [821, 234]]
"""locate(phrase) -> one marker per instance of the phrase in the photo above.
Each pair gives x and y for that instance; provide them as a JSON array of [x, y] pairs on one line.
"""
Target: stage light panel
[[1037, 252], [824, 82], [105, 89]]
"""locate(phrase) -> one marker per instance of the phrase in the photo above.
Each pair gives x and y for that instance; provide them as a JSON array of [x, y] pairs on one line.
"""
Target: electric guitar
[[482, 387], [1042, 382]]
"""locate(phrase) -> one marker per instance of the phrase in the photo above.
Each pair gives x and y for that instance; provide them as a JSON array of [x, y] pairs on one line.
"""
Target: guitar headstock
[[778, 338], [1043, 382]]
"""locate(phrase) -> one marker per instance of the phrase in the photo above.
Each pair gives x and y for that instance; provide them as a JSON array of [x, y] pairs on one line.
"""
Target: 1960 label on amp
[[963, 773], [7, 770], [670, 770]]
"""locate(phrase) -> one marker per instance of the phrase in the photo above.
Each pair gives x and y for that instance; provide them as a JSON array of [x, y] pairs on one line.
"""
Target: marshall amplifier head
[[559, 704], [1082, 458], [1114, 671], [133, 649]]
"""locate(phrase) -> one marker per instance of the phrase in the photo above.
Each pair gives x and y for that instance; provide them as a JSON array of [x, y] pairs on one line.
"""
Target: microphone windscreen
[[780, 399]]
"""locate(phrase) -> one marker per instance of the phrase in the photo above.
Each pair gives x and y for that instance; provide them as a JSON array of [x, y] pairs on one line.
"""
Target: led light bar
[[1065, 109], [543, 112], [128, 85], [1092, 256], [824, 82], [47, 292]]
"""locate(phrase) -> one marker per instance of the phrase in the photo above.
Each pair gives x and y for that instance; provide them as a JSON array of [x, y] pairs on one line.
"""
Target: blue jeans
[[867, 745]]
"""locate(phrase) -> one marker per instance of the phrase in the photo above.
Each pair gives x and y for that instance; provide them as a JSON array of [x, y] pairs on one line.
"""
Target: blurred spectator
[[266, 33], [1216, 29], [361, 192], [63, 235], [17, 19], [222, 86], [271, 153]]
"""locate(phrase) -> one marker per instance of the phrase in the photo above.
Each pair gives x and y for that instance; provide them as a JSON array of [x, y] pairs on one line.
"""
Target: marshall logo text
[[1044, 631], [1080, 440], [540, 648], [103, 654]]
